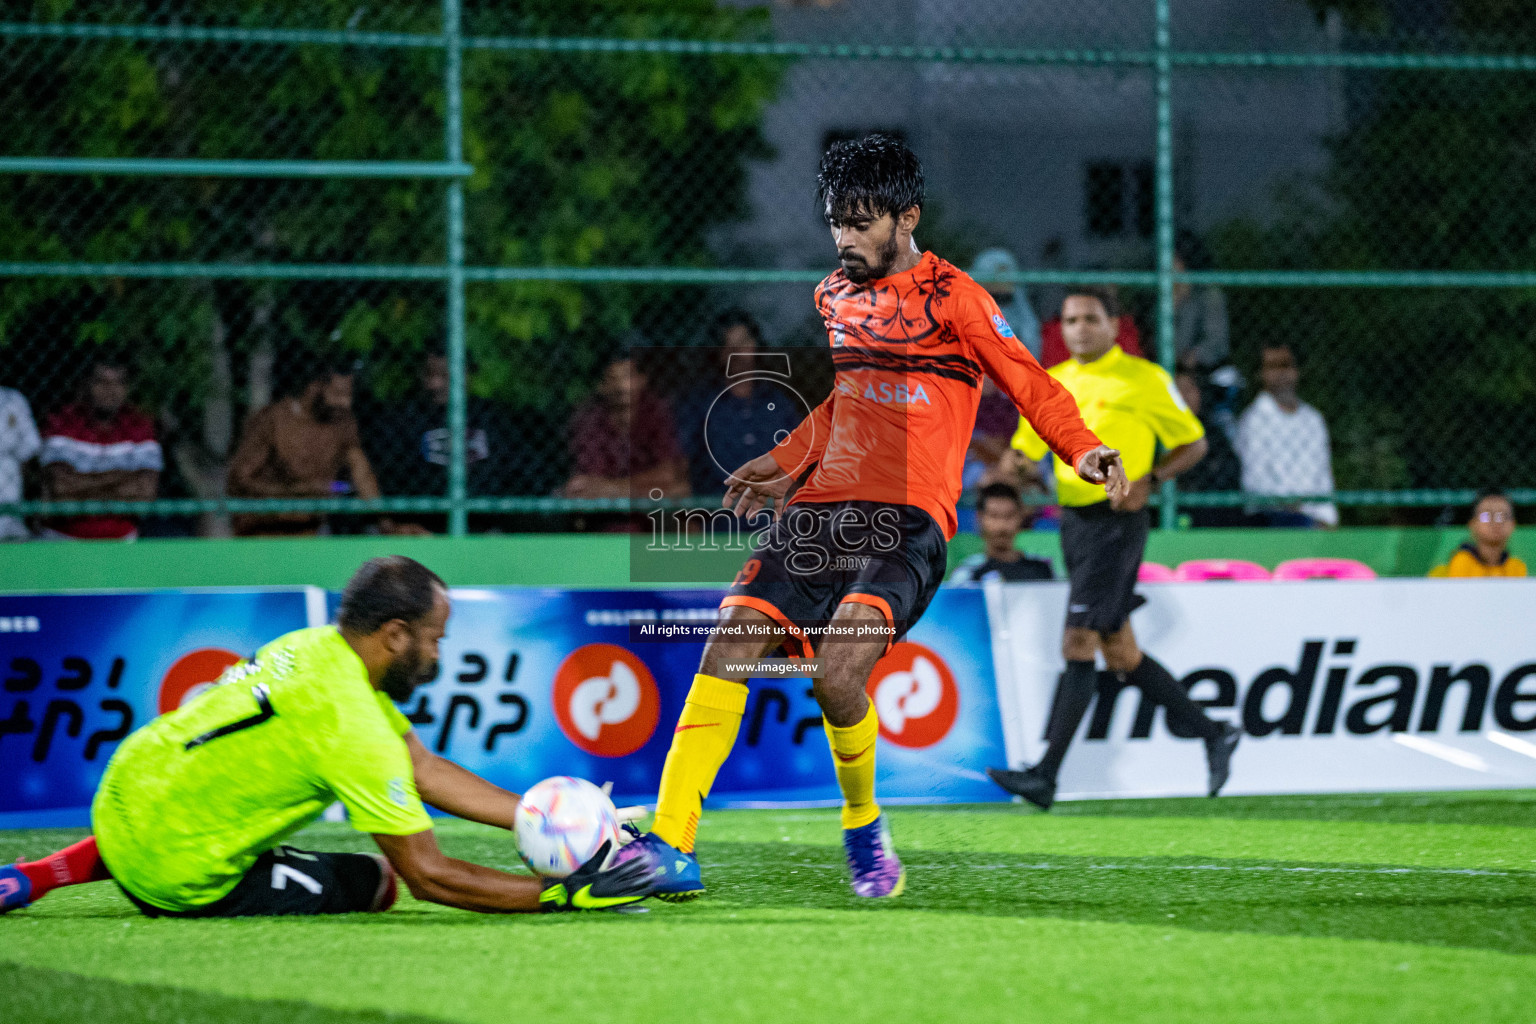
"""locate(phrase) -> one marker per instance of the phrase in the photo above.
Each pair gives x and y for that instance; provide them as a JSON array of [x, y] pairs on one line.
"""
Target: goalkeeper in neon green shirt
[[193, 810]]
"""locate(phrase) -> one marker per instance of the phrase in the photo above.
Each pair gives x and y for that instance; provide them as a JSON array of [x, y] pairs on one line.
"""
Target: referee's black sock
[[1158, 683], [1073, 695]]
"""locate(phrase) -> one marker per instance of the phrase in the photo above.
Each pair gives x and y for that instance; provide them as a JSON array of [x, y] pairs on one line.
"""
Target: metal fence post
[[1169, 512], [453, 117]]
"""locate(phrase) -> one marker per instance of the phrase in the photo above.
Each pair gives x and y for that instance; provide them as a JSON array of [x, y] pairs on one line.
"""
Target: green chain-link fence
[[464, 210]]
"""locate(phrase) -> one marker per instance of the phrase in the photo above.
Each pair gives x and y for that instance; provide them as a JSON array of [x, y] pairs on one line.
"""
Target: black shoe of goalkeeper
[[1029, 784], [1218, 756]]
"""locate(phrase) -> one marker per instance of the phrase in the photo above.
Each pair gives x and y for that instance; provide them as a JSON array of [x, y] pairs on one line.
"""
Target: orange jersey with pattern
[[910, 352]]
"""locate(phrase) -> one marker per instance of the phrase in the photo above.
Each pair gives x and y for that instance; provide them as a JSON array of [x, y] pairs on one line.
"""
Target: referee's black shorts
[[1102, 549]]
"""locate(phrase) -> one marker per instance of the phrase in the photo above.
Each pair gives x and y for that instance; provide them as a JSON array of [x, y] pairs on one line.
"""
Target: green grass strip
[[40, 996]]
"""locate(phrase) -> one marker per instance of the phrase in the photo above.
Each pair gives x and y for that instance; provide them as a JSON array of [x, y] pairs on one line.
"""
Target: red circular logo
[[192, 674], [915, 696], [606, 700]]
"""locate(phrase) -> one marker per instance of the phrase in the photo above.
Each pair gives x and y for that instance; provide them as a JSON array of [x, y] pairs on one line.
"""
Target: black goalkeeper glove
[[590, 887]]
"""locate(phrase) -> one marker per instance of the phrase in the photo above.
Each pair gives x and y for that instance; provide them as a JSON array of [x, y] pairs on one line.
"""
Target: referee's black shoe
[[1029, 784], [1218, 755]]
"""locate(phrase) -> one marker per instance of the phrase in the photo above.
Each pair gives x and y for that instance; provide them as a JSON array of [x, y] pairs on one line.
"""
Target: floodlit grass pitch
[[1401, 907]]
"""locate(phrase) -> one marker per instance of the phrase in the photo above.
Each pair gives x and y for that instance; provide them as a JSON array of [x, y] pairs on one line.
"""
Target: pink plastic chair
[[1221, 569], [1155, 572], [1323, 569]]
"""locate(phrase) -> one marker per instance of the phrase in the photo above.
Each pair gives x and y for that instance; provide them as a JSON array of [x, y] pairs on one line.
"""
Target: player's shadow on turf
[[1427, 906]]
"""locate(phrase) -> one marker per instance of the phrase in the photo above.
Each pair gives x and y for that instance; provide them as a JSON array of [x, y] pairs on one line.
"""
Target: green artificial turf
[[1407, 907]]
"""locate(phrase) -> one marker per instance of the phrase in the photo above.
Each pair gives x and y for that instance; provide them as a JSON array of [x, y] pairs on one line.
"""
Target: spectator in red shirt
[[624, 442], [100, 448]]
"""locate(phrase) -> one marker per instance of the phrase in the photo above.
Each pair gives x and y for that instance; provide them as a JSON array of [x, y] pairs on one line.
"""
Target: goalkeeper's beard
[[406, 673]]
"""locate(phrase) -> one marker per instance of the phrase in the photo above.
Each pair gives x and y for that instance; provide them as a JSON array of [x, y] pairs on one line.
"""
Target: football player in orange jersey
[[864, 489]]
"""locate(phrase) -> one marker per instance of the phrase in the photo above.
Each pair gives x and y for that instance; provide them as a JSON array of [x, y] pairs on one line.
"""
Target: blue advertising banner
[[552, 682], [82, 671], [533, 683]]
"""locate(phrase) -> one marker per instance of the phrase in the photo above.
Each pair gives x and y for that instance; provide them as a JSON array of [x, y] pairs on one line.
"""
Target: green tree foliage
[[1431, 172], [582, 159]]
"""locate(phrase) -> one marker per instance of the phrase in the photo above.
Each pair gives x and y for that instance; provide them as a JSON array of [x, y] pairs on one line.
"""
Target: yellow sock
[[853, 754], [705, 733]]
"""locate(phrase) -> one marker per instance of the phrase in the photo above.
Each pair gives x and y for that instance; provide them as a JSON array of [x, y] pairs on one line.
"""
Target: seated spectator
[[739, 414], [18, 443], [1010, 298], [996, 420], [623, 442], [304, 445], [408, 444], [1000, 515], [100, 448], [1220, 470], [1491, 524], [1283, 444]]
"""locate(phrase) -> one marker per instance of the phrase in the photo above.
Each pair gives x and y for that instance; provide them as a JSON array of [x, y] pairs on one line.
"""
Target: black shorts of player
[[1102, 549], [816, 557], [289, 882]]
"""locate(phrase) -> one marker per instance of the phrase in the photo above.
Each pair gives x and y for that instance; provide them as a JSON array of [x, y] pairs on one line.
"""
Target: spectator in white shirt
[[1283, 444], [18, 443]]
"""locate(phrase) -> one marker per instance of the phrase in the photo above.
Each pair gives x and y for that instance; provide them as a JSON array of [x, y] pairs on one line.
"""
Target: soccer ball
[[560, 824]]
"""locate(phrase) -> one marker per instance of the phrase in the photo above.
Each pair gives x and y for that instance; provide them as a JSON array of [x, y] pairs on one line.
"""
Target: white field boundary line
[[1275, 868]]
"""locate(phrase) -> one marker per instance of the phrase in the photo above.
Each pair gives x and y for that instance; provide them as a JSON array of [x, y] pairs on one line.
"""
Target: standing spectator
[[1491, 524], [301, 446], [100, 448], [408, 443], [739, 414], [623, 442], [1000, 515], [1283, 443], [1011, 299], [1201, 331], [18, 443]]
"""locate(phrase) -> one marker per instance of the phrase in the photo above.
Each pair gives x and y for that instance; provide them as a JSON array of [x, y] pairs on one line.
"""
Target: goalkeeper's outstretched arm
[[433, 876], [458, 791]]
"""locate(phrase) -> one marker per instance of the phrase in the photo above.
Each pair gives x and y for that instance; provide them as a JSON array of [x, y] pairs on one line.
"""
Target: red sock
[[72, 865]]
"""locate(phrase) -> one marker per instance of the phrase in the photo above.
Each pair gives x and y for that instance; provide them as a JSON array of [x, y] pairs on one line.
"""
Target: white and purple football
[[560, 824]]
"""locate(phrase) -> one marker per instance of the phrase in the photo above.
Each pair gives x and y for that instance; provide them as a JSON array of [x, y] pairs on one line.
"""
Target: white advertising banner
[[1341, 686]]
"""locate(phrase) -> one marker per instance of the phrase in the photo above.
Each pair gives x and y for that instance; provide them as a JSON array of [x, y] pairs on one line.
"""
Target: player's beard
[[860, 272], [406, 673]]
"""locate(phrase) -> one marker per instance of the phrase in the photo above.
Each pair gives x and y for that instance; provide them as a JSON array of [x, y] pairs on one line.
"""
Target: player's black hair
[[392, 587], [877, 175], [735, 317], [998, 490], [1107, 297]]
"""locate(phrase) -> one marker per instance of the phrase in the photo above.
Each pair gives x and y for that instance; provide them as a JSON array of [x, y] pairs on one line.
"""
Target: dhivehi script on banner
[[1341, 686]]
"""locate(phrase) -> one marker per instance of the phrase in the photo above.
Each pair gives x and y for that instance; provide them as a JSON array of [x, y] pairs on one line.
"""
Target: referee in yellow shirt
[[1131, 404]]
